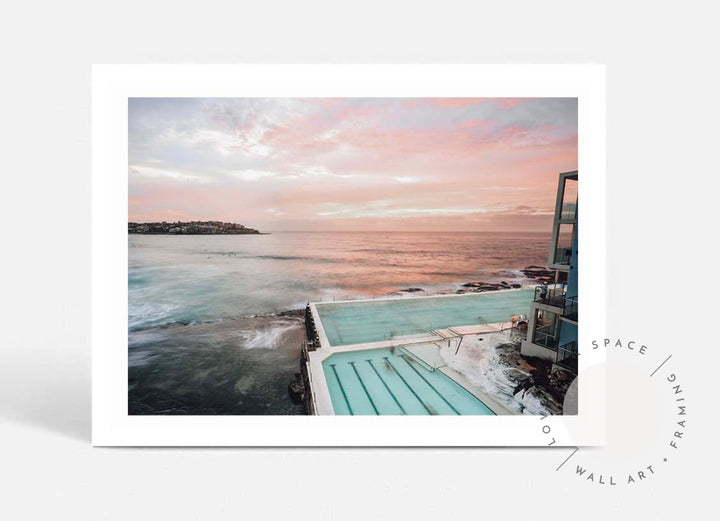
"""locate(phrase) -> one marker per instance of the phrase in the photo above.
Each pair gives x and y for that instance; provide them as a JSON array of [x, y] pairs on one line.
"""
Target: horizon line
[[266, 232]]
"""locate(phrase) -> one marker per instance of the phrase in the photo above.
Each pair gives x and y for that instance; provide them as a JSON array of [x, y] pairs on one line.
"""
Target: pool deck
[[320, 393]]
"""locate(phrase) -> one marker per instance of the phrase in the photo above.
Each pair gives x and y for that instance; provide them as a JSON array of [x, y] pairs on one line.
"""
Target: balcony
[[556, 296], [546, 336], [550, 295], [567, 356]]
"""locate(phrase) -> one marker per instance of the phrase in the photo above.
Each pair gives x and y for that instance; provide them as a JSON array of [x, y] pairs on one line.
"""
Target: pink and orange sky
[[455, 164]]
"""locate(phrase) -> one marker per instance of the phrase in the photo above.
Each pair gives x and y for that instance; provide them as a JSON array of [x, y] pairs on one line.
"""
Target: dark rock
[[296, 388], [539, 273], [483, 286], [535, 377], [295, 313], [412, 290]]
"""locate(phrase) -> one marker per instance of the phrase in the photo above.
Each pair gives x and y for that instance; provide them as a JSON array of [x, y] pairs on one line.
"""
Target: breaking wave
[[478, 360], [266, 337]]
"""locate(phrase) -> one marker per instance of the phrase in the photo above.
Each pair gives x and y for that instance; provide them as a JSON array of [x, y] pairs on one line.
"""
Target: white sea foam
[[480, 363], [266, 337], [532, 404], [144, 314]]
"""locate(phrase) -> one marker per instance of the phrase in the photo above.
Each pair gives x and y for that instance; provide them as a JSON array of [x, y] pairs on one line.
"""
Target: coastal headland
[[191, 228]]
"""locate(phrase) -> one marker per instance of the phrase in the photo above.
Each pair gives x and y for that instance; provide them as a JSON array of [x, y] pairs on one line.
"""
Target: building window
[[547, 327], [568, 208], [563, 250]]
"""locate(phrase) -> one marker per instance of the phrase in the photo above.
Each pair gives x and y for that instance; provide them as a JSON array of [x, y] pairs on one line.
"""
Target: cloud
[[523, 210], [160, 173], [423, 160], [403, 212], [252, 175]]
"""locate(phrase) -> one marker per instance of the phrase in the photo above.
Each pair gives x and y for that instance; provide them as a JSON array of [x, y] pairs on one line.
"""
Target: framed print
[[348, 255]]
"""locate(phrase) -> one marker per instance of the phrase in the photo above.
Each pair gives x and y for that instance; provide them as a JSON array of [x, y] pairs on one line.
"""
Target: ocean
[[208, 325]]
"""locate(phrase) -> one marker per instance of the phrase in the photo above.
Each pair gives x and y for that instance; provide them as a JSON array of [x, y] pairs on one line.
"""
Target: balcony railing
[[545, 336], [551, 295], [555, 296], [567, 356], [570, 309]]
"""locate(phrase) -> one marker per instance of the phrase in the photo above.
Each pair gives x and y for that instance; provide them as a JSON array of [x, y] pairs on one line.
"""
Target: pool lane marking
[[364, 388], [387, 359], [386, 386], [407, 361], [342, 389]]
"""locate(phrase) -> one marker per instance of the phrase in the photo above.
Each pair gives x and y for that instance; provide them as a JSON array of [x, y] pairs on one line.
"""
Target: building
[[552, 326]]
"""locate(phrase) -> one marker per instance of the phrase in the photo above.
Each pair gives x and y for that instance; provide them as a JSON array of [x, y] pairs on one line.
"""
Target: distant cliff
[[190, 228]]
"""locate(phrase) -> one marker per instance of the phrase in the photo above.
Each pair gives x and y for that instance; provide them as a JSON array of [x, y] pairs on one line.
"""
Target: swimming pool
[[362, 322], [391, 381]]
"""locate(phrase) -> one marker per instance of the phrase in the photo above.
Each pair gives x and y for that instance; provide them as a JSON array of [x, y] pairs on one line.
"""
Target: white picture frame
[[112, 85]]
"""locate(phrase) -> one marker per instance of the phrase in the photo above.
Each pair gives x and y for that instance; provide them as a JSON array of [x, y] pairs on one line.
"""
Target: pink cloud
[[334, 163]]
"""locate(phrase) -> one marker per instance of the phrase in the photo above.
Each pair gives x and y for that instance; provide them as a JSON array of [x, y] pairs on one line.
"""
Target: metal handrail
[[418, 359], [421, 330]]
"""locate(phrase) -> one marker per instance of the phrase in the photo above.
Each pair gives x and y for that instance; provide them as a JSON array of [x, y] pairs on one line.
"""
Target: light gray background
[[662, 223]]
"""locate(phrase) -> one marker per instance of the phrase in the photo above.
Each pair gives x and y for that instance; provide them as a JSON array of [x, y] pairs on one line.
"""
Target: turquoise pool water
[[391, 381], [374, 321]]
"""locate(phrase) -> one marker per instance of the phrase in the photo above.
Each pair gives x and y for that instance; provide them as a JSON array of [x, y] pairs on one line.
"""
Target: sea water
[[207, 328]]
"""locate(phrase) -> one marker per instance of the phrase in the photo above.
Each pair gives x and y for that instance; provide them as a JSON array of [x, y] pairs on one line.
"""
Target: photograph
[[352, 256], [320, 261]]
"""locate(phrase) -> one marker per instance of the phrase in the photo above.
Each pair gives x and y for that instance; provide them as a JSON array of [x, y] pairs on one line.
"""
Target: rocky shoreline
[[526, 385], [190, 228], [540, 389], [538, 273], [479, 287]]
